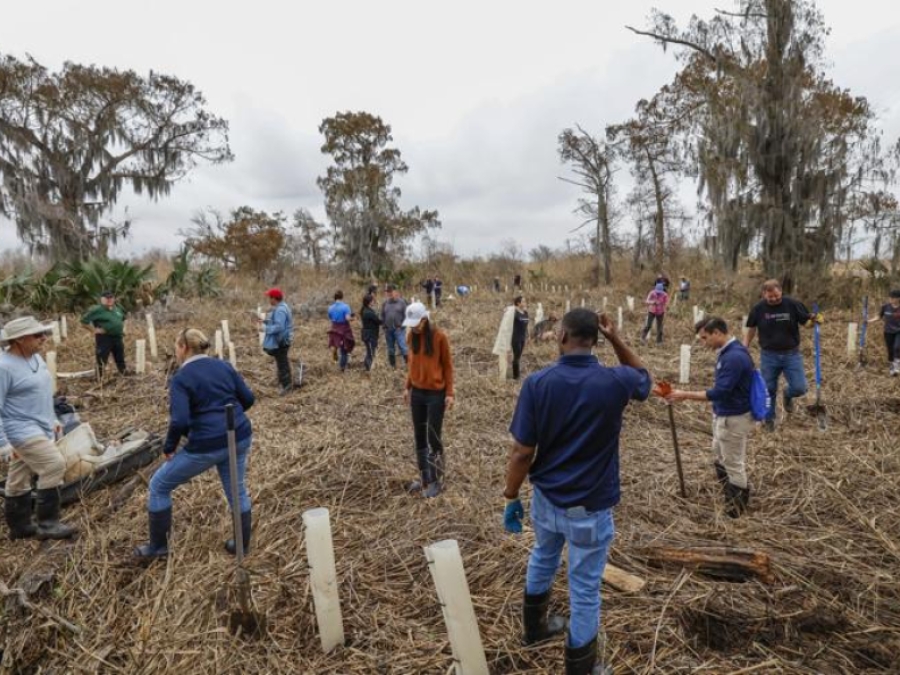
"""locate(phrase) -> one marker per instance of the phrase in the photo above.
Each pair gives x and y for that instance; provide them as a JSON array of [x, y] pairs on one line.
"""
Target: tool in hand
[[862, 332], [663, 389], [818, 409], [245, 620]]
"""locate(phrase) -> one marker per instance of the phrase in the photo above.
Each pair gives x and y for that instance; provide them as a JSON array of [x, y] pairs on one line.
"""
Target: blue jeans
[[396, 336], [773, 364], [589, 535], [185, 465], [370, 340]]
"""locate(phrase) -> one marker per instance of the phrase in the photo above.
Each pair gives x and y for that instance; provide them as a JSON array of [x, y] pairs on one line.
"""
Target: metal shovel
[[243, 621], [818, 409]]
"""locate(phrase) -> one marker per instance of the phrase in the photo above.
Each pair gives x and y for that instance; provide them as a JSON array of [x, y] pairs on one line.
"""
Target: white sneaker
[[895, 369]]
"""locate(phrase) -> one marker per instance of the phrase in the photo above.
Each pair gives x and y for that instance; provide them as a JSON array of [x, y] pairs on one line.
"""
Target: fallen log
[[732, 564]]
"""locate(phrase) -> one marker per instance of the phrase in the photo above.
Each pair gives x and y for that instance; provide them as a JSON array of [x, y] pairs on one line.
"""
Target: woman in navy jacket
[[198, 394]]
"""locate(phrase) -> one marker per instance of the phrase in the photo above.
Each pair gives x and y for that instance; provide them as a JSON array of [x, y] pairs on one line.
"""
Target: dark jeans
[[892, 342], [283, 363], [659, 326], [427, 407], [517, 349], [110, 344], [370, 340]]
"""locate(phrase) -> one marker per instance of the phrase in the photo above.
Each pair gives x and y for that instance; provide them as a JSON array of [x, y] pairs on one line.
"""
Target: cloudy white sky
[[476, 92]]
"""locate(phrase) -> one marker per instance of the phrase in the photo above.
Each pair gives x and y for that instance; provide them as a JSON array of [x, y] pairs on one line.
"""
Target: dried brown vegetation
[[825, 508]]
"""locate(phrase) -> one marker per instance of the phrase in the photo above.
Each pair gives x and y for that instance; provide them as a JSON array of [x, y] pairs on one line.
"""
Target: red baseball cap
[[275, 293]]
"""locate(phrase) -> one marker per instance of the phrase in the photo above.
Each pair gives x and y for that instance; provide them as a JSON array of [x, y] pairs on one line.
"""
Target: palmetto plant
[[85, 280]]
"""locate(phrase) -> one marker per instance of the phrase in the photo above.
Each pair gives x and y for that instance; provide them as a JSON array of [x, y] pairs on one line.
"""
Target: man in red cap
[[279, 329]]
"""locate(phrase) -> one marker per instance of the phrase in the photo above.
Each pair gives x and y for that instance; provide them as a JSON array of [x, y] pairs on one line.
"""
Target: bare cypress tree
[[592, 162], [71, 141]]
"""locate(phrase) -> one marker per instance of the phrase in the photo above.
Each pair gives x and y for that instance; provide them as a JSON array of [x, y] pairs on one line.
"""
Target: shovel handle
[[235, 501], [677, 450]]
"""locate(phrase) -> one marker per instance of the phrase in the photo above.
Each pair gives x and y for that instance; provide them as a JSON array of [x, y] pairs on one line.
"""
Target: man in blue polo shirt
[[566, 440], [732, 420]]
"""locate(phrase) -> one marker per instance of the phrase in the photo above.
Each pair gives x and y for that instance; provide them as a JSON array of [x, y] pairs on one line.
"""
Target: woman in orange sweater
[[429, 391]]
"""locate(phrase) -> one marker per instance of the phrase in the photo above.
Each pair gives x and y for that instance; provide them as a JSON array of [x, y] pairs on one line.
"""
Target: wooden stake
[[323, 578], [622, 580], [445, 563]]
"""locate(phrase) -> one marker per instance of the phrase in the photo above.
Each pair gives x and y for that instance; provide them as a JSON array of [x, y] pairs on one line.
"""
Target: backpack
[[760, 402]]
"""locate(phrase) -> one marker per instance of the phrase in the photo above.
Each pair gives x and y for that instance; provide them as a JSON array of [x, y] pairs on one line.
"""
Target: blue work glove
[[513, 515]]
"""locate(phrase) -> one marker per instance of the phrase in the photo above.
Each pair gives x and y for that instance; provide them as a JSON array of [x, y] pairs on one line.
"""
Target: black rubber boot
[[721, 474], [538, 626], [436, 475], [392, 359], [246, 530], [160, 526], [18, 517], [583, 660], [47, 512], [737, 500], [426, 471]]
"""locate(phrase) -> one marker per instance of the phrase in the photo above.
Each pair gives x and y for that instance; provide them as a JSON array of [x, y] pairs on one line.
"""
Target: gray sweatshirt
[[26, 399], [393, 312]]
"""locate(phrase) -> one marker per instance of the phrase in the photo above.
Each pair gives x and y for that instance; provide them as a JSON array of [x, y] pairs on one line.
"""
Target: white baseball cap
[[414, 314]]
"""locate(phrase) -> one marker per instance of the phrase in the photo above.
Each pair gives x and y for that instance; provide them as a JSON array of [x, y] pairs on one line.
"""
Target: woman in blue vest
[[198, 394]]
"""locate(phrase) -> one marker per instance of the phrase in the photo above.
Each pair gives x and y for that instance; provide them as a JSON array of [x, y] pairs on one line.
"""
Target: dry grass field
[[825, 508]]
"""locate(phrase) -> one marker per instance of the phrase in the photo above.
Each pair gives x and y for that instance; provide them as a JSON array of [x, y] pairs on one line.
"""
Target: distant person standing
[[732, 420], [393, 312], [28, 426], [371, 325], [438, 290], [519, 332], [778, 318], [496, 284], [428, 287], [565, 439], [684, 289], [107, 322], [340, 335], [279, 333], [657, 301], [517, 281], [890, 314], [429, 392]]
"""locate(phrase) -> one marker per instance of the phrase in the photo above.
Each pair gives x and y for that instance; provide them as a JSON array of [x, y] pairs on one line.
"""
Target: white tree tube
[[232, 357], [851, 338], [140, 358], [323, 578], [621, 321], [226, 332], [64, 327], [445, 563], [219, 345], [684, 375], [630, 302], [568, 306], [51, 366], [54, 326], [151, 337]]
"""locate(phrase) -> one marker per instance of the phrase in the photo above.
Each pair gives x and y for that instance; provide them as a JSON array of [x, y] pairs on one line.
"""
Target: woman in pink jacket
[[656, 302]]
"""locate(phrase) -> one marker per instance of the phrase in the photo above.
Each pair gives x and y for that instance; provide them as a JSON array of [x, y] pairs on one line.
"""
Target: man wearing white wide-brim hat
[[27, 426]]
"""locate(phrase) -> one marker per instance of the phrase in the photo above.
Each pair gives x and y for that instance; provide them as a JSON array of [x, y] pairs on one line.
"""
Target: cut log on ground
[[622, 580], [732, 564]]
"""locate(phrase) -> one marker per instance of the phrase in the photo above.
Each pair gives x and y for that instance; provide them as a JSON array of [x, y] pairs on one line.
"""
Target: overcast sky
[[476, 93]]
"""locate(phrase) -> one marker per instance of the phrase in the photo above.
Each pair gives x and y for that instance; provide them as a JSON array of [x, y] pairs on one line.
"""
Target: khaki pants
[[730, 445], [38, 455]]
